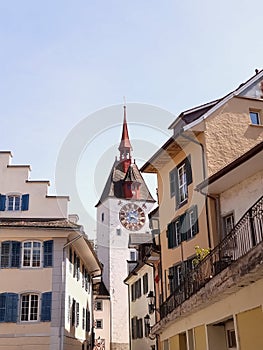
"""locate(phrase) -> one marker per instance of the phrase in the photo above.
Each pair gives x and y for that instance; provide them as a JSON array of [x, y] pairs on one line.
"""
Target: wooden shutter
[[25, 202], [87, 320], [2, 202], [2, 306], [5, 254], [15, 254], [196, 226], [11, 307], [48, 253], [46, 305], [188, 168], [184, 225]]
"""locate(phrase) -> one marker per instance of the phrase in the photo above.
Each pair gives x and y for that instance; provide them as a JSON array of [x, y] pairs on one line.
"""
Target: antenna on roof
[[124, 101], [256, 71]]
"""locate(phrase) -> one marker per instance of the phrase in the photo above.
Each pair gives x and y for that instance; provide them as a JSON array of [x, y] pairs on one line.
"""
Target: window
[[137, 328], [231, 338], [87, 320], [73, 312], [118, 231], [29, 307], [133, 255], [175, 277], [180, 178], [102, 217], [98, 305], [182, 183], [98, 324], [254, 117], [228, 222], [145, 283], [31, 254], [14, 202], [138, 289], [70, 259], [183, 228]]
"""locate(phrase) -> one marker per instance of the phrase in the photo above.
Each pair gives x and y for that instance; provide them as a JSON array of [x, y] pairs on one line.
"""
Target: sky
[[66, 65]]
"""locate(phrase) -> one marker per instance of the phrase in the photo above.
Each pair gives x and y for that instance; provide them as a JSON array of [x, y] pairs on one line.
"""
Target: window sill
[[180, 205], [256, 125]]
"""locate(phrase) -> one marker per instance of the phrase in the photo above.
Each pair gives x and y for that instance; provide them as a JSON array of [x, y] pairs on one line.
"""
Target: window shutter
[[46, 306], [176, 183], [5, 254], [169, 235], [2, 202], [172, 175], [48, 253], [184, 224], [77, 314], [196, 226], [16, 254], [11, 307], [87, 320], [2, 306], [25, 202], [73, 312], [189, 177]]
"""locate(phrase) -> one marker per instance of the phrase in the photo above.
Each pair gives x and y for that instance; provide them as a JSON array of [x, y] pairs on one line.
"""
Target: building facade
[[47, 267], [208, 200]]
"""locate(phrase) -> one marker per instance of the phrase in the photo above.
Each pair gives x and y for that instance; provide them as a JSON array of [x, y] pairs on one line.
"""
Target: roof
[[39, 223], [113, 187], [191, 117], [100, 289], [135, 239], [125, 140]]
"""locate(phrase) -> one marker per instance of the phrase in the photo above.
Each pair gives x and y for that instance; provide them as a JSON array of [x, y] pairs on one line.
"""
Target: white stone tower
[[122, 209]]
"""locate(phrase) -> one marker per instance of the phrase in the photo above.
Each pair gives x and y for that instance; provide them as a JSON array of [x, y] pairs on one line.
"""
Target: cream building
[[47, 267], [210, 194]]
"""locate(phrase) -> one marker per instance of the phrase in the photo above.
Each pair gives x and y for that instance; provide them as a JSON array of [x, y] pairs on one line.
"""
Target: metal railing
[[246, 234]]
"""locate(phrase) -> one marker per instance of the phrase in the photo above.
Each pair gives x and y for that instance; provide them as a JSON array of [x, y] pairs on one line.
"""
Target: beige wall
[[249, 326], [229, 134]]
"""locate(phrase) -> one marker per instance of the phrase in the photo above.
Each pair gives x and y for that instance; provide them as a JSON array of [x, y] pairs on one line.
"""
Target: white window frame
[[14, 206], [29, 315], [182, 183], [228, 226], [98, 302], [31, 254]]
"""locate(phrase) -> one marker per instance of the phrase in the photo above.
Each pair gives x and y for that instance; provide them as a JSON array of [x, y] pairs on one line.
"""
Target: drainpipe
[[204, 177]]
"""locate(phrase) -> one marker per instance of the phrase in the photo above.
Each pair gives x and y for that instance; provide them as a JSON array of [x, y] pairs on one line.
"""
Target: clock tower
[[122, 210]]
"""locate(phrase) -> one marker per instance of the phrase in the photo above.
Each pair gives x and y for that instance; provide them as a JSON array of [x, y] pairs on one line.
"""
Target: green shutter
[[196, 226]]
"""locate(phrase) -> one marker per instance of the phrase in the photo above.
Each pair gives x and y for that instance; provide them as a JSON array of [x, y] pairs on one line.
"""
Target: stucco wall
[[240, 198], [229, 134]]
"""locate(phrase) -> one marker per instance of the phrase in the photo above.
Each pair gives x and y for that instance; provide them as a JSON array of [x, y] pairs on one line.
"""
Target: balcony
[[238, 259]]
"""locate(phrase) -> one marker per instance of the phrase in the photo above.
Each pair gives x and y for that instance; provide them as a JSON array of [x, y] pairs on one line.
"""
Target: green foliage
[[200, 253]]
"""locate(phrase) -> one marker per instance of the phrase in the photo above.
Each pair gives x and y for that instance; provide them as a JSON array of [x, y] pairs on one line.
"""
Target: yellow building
[[47, 267], [209, 180]]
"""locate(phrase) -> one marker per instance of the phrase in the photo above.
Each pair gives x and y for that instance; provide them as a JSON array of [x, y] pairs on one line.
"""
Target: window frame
[[31, 254], [98, 302], [255, 113], [11, 202], [100, 321], [182, 183], [30, 302]]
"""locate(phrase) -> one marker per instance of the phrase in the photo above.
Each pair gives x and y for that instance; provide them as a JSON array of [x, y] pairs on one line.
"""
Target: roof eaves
[[225, 99]]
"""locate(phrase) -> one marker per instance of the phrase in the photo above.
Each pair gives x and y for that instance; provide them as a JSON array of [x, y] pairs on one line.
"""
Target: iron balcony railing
[[246, 234]]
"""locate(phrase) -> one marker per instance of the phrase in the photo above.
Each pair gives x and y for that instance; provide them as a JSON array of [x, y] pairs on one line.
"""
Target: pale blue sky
[[61, 61]]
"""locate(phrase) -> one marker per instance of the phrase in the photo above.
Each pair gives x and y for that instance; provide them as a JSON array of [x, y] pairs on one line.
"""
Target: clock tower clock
[[122, 210]]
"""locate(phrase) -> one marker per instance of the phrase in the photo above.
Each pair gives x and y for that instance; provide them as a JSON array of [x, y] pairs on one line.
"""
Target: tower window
[[102, 217], [118, 231]]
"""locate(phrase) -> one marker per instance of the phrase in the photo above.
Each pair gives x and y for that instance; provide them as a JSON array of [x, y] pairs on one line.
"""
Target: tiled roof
[[39, 223], [113, 187]]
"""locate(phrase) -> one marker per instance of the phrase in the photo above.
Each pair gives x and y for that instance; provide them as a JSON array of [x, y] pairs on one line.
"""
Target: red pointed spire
[[125, 147], [125, 141]]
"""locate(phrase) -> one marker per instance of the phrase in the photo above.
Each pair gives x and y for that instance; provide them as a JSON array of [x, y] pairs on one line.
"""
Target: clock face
[[132, 217]]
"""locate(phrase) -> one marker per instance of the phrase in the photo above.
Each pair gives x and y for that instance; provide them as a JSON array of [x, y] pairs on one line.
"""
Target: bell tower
[[121, 211]]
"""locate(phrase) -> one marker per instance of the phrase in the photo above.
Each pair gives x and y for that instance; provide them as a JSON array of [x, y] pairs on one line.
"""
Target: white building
[[121, 210], [47, 267]]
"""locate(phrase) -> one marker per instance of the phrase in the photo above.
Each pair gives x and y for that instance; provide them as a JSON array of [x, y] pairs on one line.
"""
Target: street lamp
[[151, 302], [148, 327]]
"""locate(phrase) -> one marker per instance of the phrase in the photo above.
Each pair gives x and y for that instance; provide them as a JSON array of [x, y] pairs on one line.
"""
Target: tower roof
[[125, 140]]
